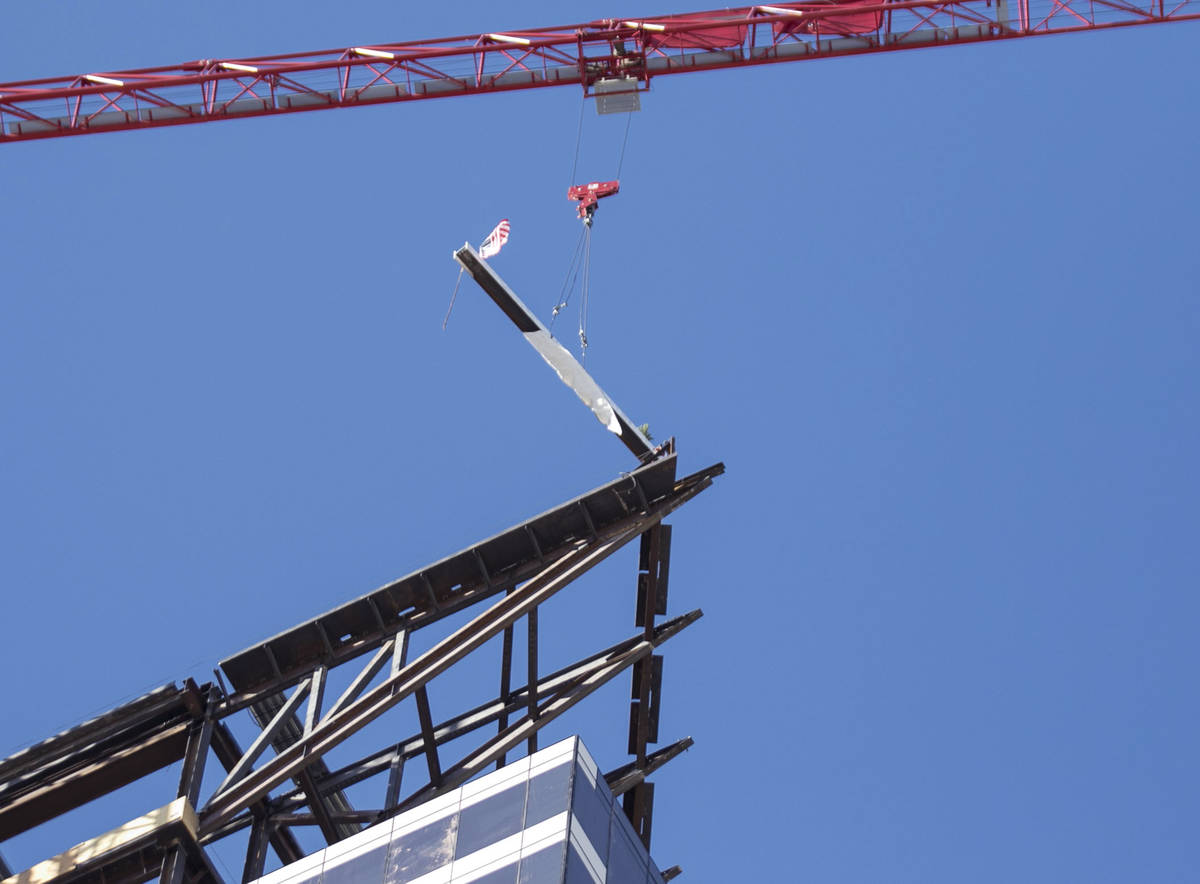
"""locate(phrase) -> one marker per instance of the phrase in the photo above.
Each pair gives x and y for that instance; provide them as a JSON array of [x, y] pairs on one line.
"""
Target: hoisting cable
[[578, 140], [624, 141], [583, 247], [583, 295], [587, 260], [568, 286], [452, 297]]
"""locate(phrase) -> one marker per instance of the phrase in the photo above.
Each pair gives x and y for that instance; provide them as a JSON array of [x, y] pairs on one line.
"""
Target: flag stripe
[[495, 240]]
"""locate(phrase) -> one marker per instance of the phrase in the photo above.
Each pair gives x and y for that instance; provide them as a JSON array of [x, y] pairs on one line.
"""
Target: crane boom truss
[[633, 51]]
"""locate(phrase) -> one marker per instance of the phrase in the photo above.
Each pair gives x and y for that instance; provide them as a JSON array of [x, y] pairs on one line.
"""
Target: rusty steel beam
[[96, 778], [627, 776]]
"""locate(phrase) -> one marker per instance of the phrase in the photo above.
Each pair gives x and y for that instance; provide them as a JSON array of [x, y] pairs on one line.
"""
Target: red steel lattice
[[634, 50]]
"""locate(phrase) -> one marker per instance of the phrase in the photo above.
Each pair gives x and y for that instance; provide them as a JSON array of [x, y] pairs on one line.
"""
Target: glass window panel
[[548, 794], [422, 850], [543, 867], [506, 875], [626, 862], [577, 870], [621, 821], [493, 818], [366, 868], [592, 806]]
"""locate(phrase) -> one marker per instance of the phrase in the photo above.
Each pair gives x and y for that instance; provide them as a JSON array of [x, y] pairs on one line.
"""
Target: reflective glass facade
[[546, 819]]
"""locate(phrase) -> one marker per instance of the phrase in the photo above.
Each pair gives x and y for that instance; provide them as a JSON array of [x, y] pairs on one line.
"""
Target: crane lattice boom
[[622, 53]]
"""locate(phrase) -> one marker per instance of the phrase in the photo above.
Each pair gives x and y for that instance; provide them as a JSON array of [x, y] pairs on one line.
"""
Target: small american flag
[[495, 241]]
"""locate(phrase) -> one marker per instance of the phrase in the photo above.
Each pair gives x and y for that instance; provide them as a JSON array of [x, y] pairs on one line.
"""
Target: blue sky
[[936, 311]]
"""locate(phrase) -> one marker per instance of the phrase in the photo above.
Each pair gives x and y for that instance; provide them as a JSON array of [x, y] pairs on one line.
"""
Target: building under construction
[[474, 797], [547, 815]]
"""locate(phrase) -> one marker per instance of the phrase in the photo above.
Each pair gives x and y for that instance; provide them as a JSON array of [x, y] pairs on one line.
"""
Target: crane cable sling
[[583, 294], [457, 282], [584, 242], [568, 286]]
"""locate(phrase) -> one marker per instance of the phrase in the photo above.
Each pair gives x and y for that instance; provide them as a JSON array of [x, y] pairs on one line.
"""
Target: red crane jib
[[589, 194], [579, 55]]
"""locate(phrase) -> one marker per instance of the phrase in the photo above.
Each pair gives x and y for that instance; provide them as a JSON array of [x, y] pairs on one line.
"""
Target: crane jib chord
[[598, 53]]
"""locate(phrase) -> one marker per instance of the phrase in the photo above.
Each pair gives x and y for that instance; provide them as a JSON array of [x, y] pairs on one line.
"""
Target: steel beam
[[431, 753], [227, 750], [638, 803], [531, 703], [316, 697], [396, 763], [359, 817], [265, 736], [256, 850], [194, 757], [364, 677], [95, 778], [506, 652], [568, 369], [626, 777], [647, 675]]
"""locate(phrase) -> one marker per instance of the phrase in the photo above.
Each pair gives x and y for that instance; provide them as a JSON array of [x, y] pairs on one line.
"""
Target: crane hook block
[[587, 195]]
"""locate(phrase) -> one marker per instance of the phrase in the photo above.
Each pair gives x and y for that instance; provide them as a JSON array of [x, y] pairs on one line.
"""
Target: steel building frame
[[281, 684]]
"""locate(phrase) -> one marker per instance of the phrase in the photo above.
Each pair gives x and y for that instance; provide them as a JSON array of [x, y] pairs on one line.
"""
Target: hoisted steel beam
[[569, 371]]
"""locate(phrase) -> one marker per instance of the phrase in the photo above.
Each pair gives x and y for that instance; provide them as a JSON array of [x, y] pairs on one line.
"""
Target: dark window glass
[[366, 868], [490, 820], [548, 793], [577, 871], [543, 867], [506, 875], [592, 806], [626, 861], [422, 850], [620, 821]]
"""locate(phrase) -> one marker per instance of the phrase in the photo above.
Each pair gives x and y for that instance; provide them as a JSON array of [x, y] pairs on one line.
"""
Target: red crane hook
[[587, 195]]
